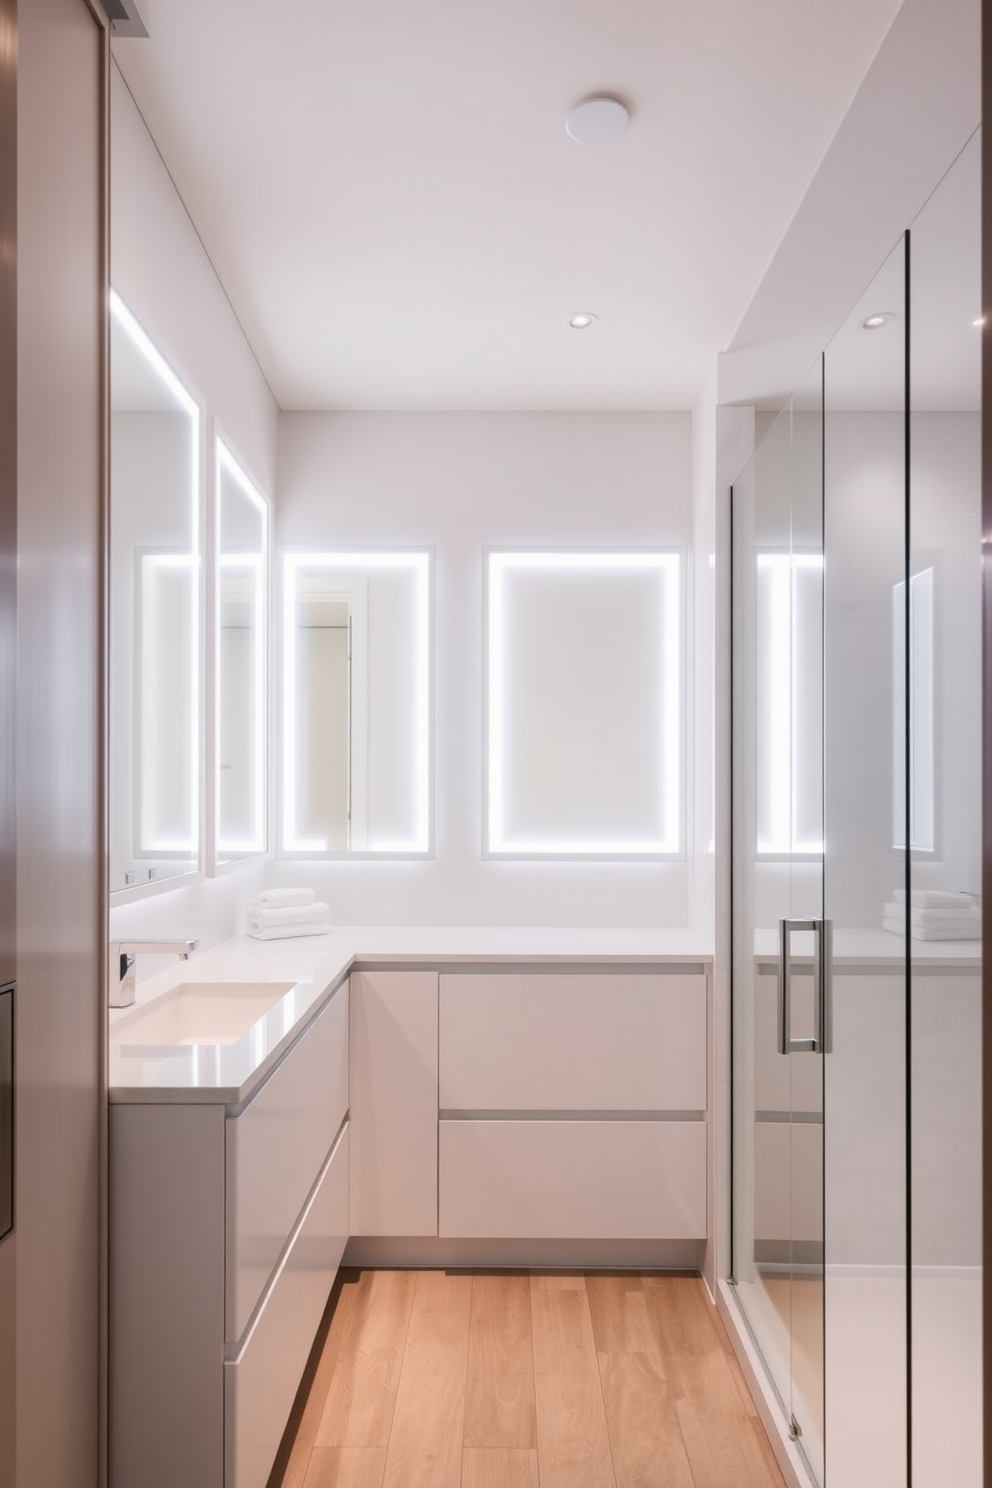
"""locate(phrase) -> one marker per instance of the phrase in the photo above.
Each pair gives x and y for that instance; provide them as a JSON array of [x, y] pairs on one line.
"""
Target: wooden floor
[[434, 1379]]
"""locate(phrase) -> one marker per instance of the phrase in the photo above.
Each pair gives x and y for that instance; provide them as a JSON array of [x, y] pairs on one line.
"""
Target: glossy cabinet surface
[[572, 1040], [227, 1228], [261, 1383], [274, 1148], [564, 1180], [394, 1040]]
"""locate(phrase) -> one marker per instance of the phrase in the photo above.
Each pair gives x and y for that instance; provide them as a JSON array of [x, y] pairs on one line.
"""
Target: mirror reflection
[[155, 611], [242, 549], [356, 742]]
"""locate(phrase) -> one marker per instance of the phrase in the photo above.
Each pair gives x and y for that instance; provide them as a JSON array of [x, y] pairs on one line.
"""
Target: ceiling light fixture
[[979, 322], [597, 121], [877, 321], [582, 321]]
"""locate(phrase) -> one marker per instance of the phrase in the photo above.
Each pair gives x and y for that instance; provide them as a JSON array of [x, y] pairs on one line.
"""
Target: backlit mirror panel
[[356, 766], [155, 625], [584, 696], [240, 655]]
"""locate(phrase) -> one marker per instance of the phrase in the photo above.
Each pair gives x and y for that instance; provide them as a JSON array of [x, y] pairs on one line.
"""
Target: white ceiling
[[388, 194]]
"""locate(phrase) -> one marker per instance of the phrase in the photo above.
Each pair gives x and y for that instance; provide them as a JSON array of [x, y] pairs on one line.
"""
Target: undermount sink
[[199, 1013]]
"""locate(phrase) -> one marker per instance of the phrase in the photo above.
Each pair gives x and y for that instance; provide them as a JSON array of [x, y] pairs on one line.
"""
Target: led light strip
[[253, 563]]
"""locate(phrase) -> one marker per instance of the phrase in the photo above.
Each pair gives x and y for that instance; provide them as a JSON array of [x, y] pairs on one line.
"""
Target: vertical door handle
[[820, 1043]]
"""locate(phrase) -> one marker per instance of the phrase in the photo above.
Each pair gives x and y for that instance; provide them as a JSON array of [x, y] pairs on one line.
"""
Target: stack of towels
[[934, 914], [278, 914]]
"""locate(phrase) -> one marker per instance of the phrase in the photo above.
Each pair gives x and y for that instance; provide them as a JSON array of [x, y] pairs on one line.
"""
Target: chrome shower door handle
[[822, 932]]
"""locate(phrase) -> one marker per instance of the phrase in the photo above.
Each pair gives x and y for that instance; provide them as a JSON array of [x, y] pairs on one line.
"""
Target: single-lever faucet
[[121, 969]]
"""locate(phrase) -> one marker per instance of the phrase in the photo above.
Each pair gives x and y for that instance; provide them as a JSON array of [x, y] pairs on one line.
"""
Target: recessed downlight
[[582, 321], [877, 321], [597, 121]]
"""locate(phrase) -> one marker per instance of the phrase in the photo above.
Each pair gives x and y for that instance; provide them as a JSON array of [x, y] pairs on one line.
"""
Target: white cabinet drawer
[[555, 1041], [275, 1148], [394, 1103], [597, 1180], [260, 1386]]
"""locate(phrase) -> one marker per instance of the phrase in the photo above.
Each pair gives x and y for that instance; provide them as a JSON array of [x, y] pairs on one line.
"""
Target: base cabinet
[[226, 1231], [573, 1180], [261, 1383], [394, 1102]]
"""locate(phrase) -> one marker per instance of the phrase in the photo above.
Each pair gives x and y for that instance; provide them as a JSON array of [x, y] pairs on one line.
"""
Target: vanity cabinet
[[505, 1103], [228, 1224], [394, 1034], [572, 1104]]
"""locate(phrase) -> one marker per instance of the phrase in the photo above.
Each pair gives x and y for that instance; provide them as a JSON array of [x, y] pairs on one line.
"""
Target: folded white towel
[[931, 932], [934, 919], [303, 914], [934, 899], [288, 932], [282, 898]]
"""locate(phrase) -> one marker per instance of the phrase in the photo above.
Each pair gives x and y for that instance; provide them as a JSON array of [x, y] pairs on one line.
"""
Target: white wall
[[162, 271], [160, 268], [458, 483]]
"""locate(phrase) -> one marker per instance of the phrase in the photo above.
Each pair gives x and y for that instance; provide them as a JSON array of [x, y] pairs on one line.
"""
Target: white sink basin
[[199, 1013]]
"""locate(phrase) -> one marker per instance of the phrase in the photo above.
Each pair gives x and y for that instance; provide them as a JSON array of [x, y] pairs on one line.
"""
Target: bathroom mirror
[[356, 761], [584, 704], [155, 630], [239, 662]]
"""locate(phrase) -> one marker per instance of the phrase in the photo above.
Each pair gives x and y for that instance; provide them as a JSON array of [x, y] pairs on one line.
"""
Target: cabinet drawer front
[[564, 1180], [275, 1149], [260, 1386], [583, 1042], [394, 1103]]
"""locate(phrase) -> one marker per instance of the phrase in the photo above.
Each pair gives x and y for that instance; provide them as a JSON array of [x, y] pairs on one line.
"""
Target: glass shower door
[[779, 940]]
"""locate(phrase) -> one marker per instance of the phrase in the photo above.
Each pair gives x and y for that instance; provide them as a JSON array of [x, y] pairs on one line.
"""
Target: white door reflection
[[356, 717]]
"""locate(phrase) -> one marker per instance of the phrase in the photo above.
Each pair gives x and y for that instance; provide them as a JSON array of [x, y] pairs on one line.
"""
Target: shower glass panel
[[865, 775], [778, 908], [945, 742]]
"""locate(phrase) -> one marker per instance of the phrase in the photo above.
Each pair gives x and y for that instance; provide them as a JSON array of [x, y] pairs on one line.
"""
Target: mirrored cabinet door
[[155, 612], [240, 645]]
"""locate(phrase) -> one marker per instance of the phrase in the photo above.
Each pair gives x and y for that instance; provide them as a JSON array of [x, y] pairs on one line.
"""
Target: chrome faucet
[[121, 969]]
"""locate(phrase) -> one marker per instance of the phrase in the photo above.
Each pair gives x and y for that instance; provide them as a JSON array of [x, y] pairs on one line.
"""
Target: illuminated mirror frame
[[668, 842], [191, 845], [922, 759], [348, 569], [232, 852], [793, 746]]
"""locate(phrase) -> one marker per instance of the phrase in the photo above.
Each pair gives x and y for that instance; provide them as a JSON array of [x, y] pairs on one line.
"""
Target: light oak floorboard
[[422, 1365], [499, 1467], [358, 1410], [723, 1448], [619, 1309], [425, 1445], [500, 1409], [346, 1300], [572, 1438], [645, 1436], [697, 1357], [346, 1467]]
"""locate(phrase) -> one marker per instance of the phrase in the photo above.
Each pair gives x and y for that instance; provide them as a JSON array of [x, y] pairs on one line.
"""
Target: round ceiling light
[[877, 321], [597, 121], [582, 321]]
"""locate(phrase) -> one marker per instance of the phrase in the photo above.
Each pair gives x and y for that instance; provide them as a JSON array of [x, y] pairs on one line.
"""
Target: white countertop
[[881, 950], [316, 964]]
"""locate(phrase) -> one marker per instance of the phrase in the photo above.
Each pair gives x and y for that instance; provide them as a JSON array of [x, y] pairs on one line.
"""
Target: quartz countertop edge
[[317, 965]]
